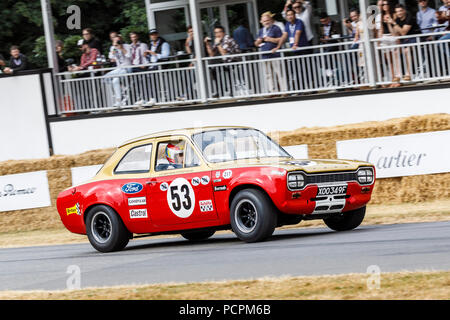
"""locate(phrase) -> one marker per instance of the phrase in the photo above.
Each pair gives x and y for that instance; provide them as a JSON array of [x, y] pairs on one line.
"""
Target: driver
[[175, 155]]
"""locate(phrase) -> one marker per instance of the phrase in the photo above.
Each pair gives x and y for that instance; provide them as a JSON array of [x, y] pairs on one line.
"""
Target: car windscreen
[[235, 144]]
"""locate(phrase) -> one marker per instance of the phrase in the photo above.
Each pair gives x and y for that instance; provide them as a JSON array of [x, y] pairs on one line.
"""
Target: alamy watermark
[[74, 20], [373, 282], [74, 280]]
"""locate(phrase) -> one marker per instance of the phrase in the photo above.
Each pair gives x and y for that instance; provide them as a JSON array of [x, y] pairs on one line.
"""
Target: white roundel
[[195, 181], [227, 174], [181, 198]]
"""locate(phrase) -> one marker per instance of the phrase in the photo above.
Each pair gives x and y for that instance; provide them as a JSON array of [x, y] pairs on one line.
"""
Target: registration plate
[[332, 190]]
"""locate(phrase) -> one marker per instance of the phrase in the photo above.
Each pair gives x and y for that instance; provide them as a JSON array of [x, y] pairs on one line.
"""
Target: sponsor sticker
[[195, 181], [220, 188], [227, 174], [205, 180], [164, 186], [206, 205], [138, 213], [74, 210], [137, 201], [132, 188], [217, 174]]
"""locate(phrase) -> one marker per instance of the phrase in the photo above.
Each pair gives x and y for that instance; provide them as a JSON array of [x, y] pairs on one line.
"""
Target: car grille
[[330, 177]]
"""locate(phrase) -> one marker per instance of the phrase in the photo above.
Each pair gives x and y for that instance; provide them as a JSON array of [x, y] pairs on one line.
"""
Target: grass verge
[[399, 285]]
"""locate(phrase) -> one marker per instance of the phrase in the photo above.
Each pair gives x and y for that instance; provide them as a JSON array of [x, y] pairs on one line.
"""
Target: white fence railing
[[412, 58], [123, 87], [316, 68]]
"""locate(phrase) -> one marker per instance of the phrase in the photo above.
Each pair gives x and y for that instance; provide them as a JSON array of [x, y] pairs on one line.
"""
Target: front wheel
[[105, 230], [252, 215], [197, 235], [347, 220]]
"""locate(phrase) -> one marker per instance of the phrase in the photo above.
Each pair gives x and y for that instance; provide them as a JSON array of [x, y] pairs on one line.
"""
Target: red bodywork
[[211, 199]]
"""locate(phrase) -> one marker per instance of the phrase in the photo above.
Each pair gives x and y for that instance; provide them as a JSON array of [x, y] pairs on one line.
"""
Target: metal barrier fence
[[309, 69], [333, 66], [412, 58], [123, 87]]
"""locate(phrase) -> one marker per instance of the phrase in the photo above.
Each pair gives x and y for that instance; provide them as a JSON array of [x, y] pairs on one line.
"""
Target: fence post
[[198, 41], [368, 53]]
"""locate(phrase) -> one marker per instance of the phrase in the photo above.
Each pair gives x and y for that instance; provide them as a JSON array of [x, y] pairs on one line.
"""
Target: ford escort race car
[[196, 181]]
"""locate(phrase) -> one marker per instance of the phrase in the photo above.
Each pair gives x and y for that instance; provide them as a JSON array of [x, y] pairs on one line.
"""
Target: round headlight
[[296, 181], [365, 176]]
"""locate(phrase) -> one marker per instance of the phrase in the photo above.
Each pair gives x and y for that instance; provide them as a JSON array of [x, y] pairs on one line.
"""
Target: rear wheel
[[105, 230], [347, 220], [198, 235], [253, 216]]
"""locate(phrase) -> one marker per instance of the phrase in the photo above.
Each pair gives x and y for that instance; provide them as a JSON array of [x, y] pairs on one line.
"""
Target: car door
[[180, 193]]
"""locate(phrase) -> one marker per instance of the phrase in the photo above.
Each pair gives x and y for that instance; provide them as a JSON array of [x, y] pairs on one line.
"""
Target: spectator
[[158, 50], [91, 40], [426, 17], [18, 61], [269, 39], [112, 35], [138, 50], [303, 11], [386, 33], [403, 25], [59, 45], [295, 31], [2, 62], [224, 46], [243, 37], [329, 29], [122, 56], [351, 22], [442, 15], [88, 58], [189, 43]]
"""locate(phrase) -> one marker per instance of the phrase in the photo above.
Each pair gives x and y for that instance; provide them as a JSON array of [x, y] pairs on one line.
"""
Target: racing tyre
[[105, 230], [198, 235], [347, 220], [253, 216]]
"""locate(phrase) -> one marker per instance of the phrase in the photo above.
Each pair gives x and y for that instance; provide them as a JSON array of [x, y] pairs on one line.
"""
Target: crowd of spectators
[[294, 32]]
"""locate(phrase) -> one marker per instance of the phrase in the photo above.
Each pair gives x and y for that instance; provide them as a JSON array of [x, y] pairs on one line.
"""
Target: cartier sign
[[403, 155]]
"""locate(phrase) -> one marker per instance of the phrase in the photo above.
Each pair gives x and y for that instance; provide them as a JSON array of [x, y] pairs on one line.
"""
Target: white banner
[[24, 191], [298, 152], [404, 155], [82, 174]]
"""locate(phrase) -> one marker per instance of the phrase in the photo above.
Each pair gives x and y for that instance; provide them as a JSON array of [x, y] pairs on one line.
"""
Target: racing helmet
[[171, 151]]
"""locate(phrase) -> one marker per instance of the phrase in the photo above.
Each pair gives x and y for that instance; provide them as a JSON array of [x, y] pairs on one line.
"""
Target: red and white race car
[[196, 181]]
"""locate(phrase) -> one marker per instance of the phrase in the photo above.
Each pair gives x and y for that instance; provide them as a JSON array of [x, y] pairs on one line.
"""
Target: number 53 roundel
[[181, 198]]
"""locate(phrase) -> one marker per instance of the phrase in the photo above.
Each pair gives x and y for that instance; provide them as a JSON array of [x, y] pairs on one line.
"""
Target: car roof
[[178, 132]]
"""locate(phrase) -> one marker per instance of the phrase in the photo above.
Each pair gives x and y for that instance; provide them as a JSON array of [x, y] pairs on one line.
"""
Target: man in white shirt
[[121, 53]]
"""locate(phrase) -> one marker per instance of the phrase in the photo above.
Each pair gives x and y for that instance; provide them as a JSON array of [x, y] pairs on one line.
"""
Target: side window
[[137, 160], [191, 158], [175, 154]]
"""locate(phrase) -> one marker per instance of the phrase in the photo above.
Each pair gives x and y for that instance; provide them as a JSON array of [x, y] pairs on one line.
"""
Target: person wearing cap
[[270, 39], [159, 48]]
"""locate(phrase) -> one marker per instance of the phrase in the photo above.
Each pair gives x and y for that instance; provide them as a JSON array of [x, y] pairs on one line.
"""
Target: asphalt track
[[309, 251]]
